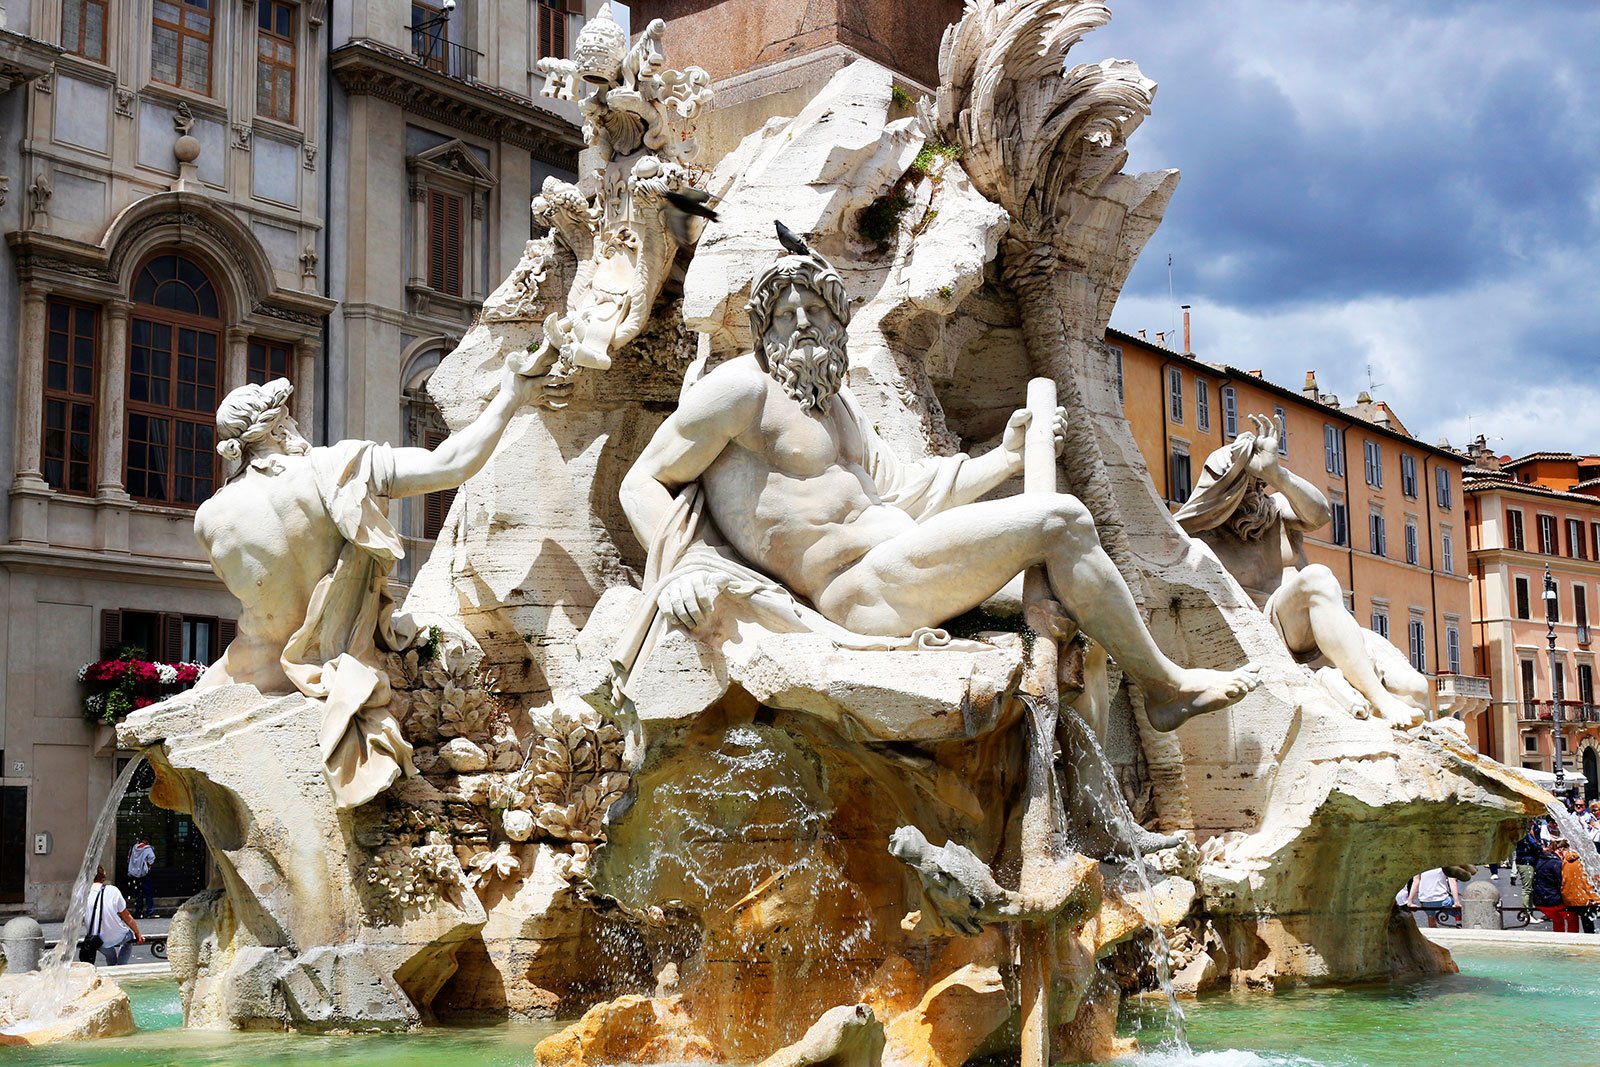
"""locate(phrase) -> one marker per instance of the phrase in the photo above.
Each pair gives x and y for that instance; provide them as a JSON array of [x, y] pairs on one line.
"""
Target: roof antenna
[[1172, 302], [1372, 386]]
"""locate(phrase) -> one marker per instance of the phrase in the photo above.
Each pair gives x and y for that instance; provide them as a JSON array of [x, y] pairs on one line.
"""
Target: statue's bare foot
[[1395, 711], [1199, 691]]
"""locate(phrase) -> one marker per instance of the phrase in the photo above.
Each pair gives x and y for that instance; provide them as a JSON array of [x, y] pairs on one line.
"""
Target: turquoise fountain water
[[1540, 1003]]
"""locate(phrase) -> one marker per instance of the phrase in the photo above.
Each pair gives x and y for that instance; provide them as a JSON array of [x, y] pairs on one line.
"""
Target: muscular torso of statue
[[790, 488], [270, 540]]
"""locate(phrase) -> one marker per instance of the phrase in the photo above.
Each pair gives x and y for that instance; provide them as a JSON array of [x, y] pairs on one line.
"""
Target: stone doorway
[[180, 870]]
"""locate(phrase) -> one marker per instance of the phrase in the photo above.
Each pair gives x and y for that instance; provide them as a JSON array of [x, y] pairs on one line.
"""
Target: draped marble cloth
[[333, 656], [1223, 482], [686, 541]]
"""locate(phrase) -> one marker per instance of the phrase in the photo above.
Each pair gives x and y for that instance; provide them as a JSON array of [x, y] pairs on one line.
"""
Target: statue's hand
[[688, 599], [1264, 451], [545, 390], [1016, 433]]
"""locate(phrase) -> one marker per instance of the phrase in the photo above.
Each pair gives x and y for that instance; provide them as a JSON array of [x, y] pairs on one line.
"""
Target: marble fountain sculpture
[[808, 668]]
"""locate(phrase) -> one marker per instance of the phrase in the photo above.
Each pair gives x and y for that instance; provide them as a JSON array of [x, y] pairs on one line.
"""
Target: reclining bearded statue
[[769, 482], [1260, 539], [301, 536]]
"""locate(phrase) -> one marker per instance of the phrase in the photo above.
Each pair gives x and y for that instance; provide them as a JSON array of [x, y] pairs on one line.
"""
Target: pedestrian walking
[[1528, 852], [110, 923], [141, 862]]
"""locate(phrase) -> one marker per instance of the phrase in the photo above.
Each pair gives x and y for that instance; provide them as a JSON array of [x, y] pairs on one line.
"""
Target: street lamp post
[[1551, 605]]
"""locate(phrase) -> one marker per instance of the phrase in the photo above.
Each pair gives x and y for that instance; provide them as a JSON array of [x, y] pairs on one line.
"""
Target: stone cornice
[[365, 67], [22, 59], [79, 563]]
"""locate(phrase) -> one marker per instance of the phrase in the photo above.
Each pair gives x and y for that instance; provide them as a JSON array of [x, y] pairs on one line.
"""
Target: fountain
[[650, 753]]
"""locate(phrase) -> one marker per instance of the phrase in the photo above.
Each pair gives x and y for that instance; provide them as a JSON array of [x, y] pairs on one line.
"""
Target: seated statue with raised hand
[[796, 482], [1260, 538]]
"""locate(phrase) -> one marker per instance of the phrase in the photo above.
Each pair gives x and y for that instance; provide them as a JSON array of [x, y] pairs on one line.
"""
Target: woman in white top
[[108, 916]]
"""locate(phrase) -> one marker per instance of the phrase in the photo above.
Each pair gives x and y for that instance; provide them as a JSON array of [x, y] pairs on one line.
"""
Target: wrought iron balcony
[[437, 52], [1544, 711]]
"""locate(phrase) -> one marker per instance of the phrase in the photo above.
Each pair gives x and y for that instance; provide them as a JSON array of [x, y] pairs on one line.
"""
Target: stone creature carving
[[847, 1036], [959, 886], [301, 536], [634, 205], [768, 479], [1260, 537]]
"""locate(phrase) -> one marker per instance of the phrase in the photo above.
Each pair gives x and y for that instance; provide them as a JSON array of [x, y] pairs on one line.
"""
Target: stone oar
[[1043, 817]]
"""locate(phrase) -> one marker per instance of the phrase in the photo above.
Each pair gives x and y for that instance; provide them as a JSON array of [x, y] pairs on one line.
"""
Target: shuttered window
[[435, 506], [552, 28], [444, 242], [166, 636]]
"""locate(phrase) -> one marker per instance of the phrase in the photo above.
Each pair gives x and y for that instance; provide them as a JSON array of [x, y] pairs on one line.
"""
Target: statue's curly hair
[[812, 271], [247, 413]]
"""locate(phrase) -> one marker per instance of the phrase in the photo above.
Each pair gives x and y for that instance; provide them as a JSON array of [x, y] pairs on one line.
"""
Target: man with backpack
[[141, 861]]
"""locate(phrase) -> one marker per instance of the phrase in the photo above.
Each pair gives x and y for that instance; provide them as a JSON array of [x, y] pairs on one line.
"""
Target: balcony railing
[[438, 52], [1465, 686], [1571, 711]]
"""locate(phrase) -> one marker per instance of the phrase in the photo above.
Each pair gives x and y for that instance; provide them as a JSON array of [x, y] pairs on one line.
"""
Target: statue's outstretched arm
[[463, 453]]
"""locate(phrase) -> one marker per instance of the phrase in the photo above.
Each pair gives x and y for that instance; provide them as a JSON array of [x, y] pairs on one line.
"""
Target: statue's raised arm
[[302, 537]]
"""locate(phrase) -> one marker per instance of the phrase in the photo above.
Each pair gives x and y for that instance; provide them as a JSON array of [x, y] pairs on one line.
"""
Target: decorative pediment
[[454, 160]]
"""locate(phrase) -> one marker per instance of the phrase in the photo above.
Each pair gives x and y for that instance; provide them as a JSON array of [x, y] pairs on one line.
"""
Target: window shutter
[[452, 275], [436, 235], [171, 650], [110, 631], [227, 630], [435, 506]]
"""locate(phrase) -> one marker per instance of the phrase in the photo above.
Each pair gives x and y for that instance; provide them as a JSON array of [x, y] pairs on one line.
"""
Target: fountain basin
[[1428, 1019]]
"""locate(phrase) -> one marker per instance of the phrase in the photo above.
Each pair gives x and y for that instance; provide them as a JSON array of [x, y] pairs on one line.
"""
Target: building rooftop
[[1327, 403]]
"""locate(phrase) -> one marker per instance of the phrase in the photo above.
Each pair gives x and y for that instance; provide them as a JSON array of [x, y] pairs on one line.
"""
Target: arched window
[[174, 337]]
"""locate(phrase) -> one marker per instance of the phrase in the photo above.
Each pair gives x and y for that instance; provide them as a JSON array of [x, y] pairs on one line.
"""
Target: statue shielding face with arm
[[1259, 535], [301, 536], [798, 483]]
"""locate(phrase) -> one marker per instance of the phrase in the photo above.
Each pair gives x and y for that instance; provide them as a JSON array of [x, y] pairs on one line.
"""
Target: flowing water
[[1114, 809], [55, 987], [1577, 838]]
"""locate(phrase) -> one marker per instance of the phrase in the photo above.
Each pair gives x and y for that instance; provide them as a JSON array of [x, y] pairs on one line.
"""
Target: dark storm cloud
[[1411, 186]]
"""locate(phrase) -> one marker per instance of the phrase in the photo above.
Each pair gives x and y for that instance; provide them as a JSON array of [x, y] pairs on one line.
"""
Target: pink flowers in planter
[[127, 683]]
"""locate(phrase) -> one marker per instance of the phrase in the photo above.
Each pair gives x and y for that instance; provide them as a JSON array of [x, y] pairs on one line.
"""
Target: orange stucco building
[[1398, 538], [1524, 515]]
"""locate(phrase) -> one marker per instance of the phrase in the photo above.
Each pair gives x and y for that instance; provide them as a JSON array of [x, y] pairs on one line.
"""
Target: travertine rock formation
[[92, 1006]]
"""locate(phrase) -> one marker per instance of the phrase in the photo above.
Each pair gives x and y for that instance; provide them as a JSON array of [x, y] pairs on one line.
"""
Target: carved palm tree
[[1047, 143]]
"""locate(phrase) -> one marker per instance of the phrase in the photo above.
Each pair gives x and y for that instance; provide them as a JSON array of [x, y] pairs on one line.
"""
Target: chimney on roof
[[1364, 397], [1142, 337], [1186, 348], [1310, 388], [1254, 372], [1161, 338]]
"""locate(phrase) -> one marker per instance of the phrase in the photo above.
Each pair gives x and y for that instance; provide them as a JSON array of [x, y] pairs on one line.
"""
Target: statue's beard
[[807, 367], [1255, 516]]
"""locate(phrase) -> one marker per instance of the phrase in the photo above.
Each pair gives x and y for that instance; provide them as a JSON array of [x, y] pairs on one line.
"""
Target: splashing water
[[55, 986], [1114, 807], [1578, 839]]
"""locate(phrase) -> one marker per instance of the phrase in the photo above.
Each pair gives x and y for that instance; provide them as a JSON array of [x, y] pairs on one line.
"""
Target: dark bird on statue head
[[791, 241]]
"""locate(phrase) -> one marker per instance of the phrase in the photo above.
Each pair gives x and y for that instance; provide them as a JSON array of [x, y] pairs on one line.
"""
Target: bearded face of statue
[[805, 347]]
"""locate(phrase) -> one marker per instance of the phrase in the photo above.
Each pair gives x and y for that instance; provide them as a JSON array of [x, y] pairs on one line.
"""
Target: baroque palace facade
[[195, 195]]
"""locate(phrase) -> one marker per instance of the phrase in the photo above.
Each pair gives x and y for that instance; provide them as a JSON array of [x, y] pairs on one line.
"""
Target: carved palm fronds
[[1031, 129]]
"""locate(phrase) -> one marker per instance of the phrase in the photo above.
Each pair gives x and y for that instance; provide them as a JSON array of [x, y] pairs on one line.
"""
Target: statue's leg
[[955, 560], [1310, 612]]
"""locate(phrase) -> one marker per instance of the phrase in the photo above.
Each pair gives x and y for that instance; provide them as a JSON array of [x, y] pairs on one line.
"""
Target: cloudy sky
[[1411, 185]]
